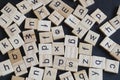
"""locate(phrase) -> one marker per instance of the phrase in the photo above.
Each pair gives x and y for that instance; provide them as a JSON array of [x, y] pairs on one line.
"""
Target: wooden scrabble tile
[[12, 30], [87, 3], [59, 62], [5, 46], [71, 40], [80, 11], [41, 12], [44, 25], [15, 56], [16, 41], [46, 37], [45, 48], [36, 73], [92, 37], [71, 52], [30, 48], [72, 21], [45, 60], [31, 23], [88, 22], [24, 7], [99, 16], [6, 67], [85, 60], [30, 60], [58, 48], [81, 75], [50, 73], [118, 11], [95, 74], [85, 48], [17, 78], [29, 36], [45, 2], [66, 75], [5, 21], [58, 32], [98, 62], [29, 79], [108, 44], [107, 29]]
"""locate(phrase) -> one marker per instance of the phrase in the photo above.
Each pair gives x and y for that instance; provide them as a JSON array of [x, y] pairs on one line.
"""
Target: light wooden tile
[[85, 48], [80, 11], [72, 21], [16, 41], [46, 37], [56, 17], [92, 37], [58, 32], [36, 73], [81, 75], [112, 66], [44, 25], [5, 46], [29, 36], [107, 29], [65, 76], [45, 2], [29, 79], [95, 74], [50, 74], [118, 11], [99, 16], [17, 78], [87, 3]]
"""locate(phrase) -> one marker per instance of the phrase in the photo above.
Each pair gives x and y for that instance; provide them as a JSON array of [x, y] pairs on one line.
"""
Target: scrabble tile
[[71, 40], [99, 16], [59, 62], [50, 73], [45, 2], [30, 48], [45, 48], [87, 3], [81, 75], [29, 79], [71, 52], [98, 62], [65, 76], [41, 12], [72, 21], [92, 37], [72, 64], [29, 36], [88, 22], [80, 11], [44, 25], [19, 68], [85, 60], [36, 73], [118, 11], [95, 74], [31, 23], [107, 29], [108, 44], [5, 21], [46, 37], [58, 32], [30, 60], [6, 67], [45, 60], [17, 78], [112, 66], [12, 30], [85, 48], [56, 17], [16, 41], [5, 46], [24, 7], [15, 56]]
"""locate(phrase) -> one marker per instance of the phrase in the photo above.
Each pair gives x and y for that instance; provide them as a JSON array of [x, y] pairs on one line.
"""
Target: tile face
[[92, 37], [87, 3], [17, 78], [112, 66], [56, 17], [118, 11], [45, 2], [99, 16], [66, 75], [5, 46], [36, 73]]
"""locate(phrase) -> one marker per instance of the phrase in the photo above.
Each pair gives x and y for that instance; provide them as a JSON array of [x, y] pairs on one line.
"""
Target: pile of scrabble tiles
[[44, 56]]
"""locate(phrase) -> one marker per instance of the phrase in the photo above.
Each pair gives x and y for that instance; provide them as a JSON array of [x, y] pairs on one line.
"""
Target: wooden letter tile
[[17, 78], [65, 76], [118, 11], [87, 3]]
